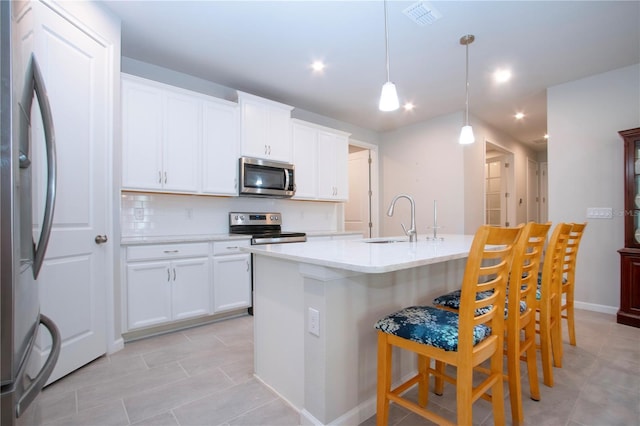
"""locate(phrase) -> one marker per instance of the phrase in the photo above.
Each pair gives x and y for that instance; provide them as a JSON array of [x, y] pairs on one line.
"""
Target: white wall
[[585, 156], [426, 162]]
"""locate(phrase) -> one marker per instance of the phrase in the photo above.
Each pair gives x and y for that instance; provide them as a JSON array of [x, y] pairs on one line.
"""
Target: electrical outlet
[[314, 322], [138, 213]]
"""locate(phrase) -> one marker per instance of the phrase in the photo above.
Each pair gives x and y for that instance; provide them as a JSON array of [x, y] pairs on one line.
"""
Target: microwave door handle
[[286, 179], [49, 137]]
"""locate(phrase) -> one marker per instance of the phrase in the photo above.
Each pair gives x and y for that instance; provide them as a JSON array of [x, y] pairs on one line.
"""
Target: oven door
[[264, 178]]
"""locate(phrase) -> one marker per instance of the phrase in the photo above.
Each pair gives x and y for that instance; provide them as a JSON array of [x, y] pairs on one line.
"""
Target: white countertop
[[360, 256], [171, 239]]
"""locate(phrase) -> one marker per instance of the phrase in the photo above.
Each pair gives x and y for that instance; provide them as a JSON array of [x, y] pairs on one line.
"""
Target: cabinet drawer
[[229, 247], [167, 251]]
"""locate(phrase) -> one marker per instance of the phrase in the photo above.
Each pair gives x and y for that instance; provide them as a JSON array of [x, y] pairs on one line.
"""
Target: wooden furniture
[[569, 278], [520, 334], [521, 329], [548, 302], [629, 312], [464, 339]]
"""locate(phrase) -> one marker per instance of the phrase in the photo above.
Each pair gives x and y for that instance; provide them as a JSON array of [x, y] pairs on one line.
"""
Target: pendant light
[[466, 134], [389, 96]]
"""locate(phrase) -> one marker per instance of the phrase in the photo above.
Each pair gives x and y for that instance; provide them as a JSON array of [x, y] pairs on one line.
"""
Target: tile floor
[[203, 376]]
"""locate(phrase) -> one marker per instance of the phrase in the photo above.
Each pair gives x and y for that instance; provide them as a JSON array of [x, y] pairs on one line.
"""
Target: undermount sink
[[385, 241]]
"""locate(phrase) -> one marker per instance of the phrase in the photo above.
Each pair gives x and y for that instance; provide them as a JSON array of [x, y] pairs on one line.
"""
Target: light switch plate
[[599, 213]]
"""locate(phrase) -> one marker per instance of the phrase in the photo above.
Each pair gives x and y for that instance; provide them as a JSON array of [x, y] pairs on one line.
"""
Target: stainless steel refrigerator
[[22, 244]]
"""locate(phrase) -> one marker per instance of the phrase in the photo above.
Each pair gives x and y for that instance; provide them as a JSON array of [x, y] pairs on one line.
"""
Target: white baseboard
[[596, 308]]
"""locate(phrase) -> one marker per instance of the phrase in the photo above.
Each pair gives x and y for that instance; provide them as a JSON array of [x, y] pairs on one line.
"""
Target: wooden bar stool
[[520, 338], [464, 339], [569, 278], [548, 301]]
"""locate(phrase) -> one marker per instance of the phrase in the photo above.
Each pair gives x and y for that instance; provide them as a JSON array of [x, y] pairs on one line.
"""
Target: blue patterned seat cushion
[[430, 326], [538, 291], [452, 301]]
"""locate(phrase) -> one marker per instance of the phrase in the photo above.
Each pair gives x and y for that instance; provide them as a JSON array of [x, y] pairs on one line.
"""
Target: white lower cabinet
[[231, 276], [167, 283]]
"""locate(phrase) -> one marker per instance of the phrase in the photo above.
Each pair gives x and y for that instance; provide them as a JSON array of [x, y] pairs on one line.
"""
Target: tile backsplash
[[151, 214]]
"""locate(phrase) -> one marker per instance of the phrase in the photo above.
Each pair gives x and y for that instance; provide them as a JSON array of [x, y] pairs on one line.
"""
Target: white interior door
[[494, 193], [72, 280], [544, 193], [357, 215], [533, 195]]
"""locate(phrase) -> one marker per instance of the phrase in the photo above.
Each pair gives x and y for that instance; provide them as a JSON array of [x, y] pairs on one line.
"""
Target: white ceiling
[[266, 47]]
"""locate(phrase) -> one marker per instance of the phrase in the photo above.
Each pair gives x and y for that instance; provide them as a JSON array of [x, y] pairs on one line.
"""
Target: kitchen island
[[315, 305]]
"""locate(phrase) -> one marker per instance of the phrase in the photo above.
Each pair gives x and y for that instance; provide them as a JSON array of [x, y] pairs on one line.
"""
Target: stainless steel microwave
[[266, 178]]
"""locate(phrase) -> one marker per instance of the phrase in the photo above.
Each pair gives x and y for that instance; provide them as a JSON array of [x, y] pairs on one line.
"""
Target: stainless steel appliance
[[265, 178], [264, 228], [21, 258]]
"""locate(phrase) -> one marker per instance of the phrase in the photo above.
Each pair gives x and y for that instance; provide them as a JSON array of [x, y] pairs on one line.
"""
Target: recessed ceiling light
[[519, 115], [409, 106], [502, 75], [317, 66]]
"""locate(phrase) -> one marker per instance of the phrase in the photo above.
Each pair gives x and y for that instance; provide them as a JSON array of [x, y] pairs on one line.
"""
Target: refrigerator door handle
[[35, 82], [38, 383]]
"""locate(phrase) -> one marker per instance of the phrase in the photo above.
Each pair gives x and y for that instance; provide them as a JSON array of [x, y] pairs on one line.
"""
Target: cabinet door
[[220, 149], [231, 282], [182, 142], [332, 166], [148, 293], [190, 289], [265, 129], [305, 160], [279, 134], [141, 136], [254, 129]]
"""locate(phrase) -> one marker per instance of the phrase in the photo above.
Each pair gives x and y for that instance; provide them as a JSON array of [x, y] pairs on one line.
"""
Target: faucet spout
[[411, 232]]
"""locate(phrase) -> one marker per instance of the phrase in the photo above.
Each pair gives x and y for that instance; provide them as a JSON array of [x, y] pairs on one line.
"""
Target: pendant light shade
[[389, 95], [466, 134]]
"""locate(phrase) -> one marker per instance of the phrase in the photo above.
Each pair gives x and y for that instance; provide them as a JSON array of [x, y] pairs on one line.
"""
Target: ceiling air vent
[[422, 13]]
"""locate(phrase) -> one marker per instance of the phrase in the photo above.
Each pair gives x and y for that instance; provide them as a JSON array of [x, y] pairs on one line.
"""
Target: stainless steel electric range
[[264, 228]]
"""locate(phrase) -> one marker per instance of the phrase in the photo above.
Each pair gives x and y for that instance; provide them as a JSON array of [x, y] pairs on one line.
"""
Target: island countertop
[[367, 256]]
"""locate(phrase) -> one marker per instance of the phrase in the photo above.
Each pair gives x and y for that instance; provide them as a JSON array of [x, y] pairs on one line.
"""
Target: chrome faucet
[[412, 231]]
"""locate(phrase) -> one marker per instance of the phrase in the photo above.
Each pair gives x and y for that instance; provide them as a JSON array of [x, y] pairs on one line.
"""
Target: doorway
[[499, 185], [361, 210]]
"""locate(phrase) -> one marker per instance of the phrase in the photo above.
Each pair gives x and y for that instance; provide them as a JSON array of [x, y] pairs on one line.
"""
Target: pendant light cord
[[467, 88], [386, 39]]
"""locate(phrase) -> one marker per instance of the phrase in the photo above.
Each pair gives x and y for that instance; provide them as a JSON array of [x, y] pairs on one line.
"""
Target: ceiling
[[266, 48]]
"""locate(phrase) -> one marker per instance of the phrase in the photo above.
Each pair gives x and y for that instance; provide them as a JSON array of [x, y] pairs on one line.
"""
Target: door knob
[[101, 239]]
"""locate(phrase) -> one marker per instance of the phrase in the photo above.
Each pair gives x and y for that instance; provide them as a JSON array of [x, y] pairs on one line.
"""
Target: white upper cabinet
[[333, 163], [305, 143], [320, 155], [182, 142], [141, 136], [175, 140], [265, 128], [220, 148]]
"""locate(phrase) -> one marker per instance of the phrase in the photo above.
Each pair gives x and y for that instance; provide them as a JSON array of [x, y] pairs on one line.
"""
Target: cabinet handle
[[174, 274], [159, 176], [265, 149], [269, 149], [171, 251], [232, 248], [165, 177], [168, 275], [247, 266]]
